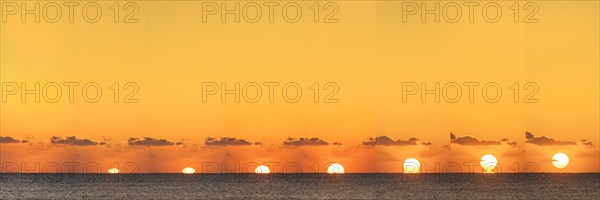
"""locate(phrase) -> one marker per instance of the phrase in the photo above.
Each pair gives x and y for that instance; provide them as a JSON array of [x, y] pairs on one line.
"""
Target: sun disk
[[113, 171], [411, 166], [188, 170], [262, 170], [488, 163], [335, 168], [560, 160]]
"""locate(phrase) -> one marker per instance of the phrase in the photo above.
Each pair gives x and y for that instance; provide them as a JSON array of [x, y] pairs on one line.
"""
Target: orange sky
[[367, 56]]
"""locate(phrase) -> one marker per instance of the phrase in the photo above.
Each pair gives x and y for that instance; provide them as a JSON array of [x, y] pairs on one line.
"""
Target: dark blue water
[[300, 186]]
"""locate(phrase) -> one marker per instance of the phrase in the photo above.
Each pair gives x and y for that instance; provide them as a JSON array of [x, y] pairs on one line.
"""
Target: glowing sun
[[113, 171], [262, 170], [560, 160], [488, 163], [188, 170], [411, 166], [335, 168]]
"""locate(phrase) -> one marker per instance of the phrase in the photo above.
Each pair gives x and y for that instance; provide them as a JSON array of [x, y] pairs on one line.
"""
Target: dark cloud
[[513, 144], [587, 143], [148, 141], [545, 141], [452, 136], [471, 141], [258, 143], [304, 142], [337, 143], [226, 141], [528, 135], [102, 143], [72, 140], [8, 139], [179, 143], [386, 141], [426, 143]]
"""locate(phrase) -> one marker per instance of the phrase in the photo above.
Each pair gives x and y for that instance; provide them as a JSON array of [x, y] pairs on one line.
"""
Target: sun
[[411, 166], [335, 168], [488, 163], [113, 171], [560, 160], [262, 170], [188, 170]]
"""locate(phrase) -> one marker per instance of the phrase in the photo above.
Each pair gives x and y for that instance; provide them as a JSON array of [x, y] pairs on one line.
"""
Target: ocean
[[300, 186]]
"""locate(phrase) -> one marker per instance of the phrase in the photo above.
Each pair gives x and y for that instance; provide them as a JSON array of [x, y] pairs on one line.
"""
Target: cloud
[[529, 136], [426, 143], [72, 140], [513, 144], [148, 141], [8, 139], [258, 143], [226, 141], [545, 141], [304, 142], [337, 143], [386, 141], [471, 141], [587, 143]]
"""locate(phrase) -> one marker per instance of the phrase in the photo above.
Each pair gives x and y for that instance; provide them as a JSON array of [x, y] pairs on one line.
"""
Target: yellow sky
[[366, 56]]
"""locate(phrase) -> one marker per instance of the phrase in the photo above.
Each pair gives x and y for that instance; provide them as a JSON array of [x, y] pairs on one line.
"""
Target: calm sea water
[[300, 186]]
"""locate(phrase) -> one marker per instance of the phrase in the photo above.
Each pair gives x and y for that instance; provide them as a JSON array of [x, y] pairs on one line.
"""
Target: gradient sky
[[368, 55]]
